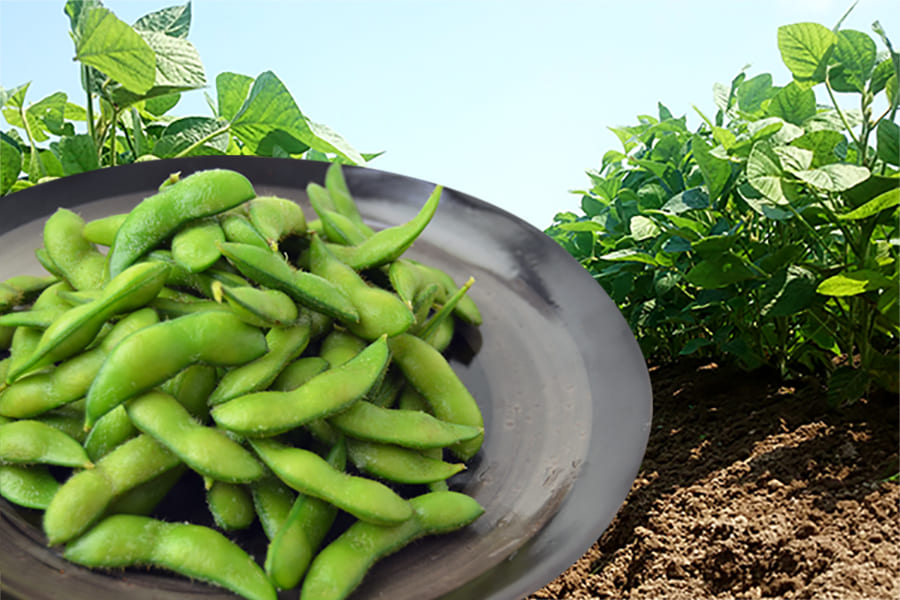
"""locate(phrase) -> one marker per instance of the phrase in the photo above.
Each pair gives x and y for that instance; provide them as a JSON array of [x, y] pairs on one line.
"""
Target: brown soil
[[752, 488]]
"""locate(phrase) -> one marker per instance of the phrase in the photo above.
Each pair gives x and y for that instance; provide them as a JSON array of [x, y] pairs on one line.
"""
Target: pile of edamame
[[297, 367]]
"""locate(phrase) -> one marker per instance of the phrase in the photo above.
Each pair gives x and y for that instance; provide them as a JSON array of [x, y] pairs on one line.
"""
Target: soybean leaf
[[268, 107], [643, 228], [713, 246], [754, 91], [78, 153], [853, 60], [846, 384], [720, 271], [76, 10], [160, 105], [188, 131], [694, 345], [630, 255], [231, 91], [690, 199], [764, 172], [328, 140], [884, 201], [822, 144], [790, 291], [793, 103], [880, 75], [591, 225], [10, 162], [794, 159], [805, 49], [50, 112], [113, 47], [74, 112], [887, 136], [716, 171], [174, 21], [835, 177], [853, 283]]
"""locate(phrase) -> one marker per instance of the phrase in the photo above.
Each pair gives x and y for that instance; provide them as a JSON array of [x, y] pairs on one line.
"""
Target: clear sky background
[[506, 100]]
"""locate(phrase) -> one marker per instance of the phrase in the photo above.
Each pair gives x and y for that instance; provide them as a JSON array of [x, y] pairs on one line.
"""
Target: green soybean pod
[[284, 346], [31, 486], [204, 449], [79, 326], [6, 335], [340, 567], [102, 231], [466, 310], [69, 419], [303, 531], [194, 245], [198, 195], [43, 257], [144, 498], [191, 550], [407, 428], [341, 230], [341, 198], [84, 497], [239, 230], [430, 374], [276, 218], [110, 431], [79, 262], [389, 244], [21, 290], [192, 387], [272, 270], [28, 441], [258, 307], [272, 500], [299, 372], [70, 380], [380, 311], [310, 474], [154, 354], [26, 339], [406, 279], [397, 464], [230, 505], [339, 346], [269, 412], [39, 319]]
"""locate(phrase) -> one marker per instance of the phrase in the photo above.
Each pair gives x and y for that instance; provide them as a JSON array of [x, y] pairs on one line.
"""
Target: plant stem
[[86, 73], [203, 140], [839, 111], [112, 143]]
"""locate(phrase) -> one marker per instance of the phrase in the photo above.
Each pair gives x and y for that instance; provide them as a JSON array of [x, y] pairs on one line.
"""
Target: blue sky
[[505, 100]]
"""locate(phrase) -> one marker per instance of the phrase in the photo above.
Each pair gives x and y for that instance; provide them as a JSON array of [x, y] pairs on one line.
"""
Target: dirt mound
[[751, 488]]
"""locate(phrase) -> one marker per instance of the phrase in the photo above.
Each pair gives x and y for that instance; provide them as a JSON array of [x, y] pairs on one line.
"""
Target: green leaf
[[764, 172], [792, 158], [643, 228], [716, 171], [720, 271], [173, 21], [160, 105], [853, 283], [712, 246], [630, 255], [328, 140], [10, 163], [694, 345], [51, 112], [74, 112], [822, 144], [887, 136], [846, 385], [76, 10], [754, 91], [690, 199], [231, 91], [835, 177], [805, 49], [884, 201], [187, 131], [880, 75], [852, 61], [178, 63], [78, 153], [790, 291], [583, 226], [114, 48], [793, 103]]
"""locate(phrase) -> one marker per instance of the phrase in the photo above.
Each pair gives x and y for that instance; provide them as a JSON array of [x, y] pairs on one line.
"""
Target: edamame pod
[[156, 353], [102, 231], [79, 262], [206, 450], [31, 486], [269, 413], [28, 441], [21, 290], [340, 567], [83, 498], [305, 527], [397, 464], [276, 218], [272, 500], [341, 198], [258, 307], [200, 194], [110, 431], [230, 505], [194, 245], [430, 373], [408, 428], [310, 474], [190, 550]]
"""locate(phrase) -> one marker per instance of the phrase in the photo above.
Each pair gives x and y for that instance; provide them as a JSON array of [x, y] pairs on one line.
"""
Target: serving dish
[[560, 380]]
